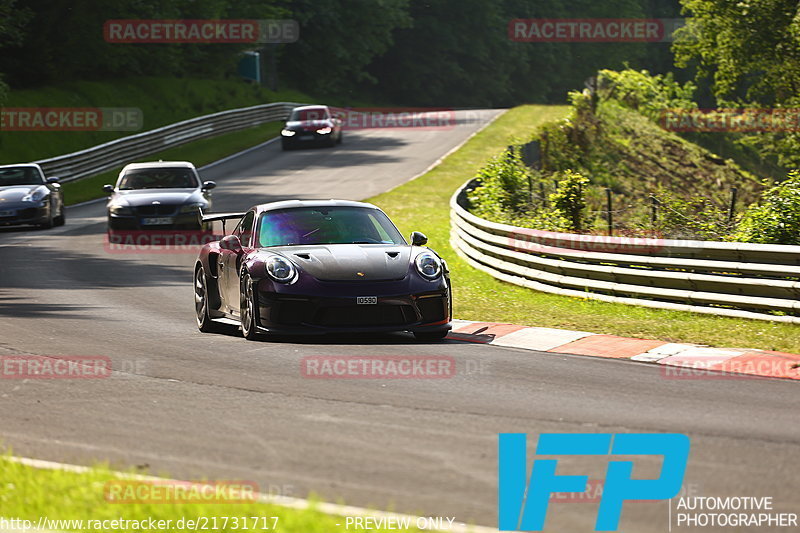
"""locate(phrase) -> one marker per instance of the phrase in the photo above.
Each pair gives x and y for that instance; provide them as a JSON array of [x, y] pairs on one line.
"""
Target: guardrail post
[[653, 211], [732, 207], [609, 214]]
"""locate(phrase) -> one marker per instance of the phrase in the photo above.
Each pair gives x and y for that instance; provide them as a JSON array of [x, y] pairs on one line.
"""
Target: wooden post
[[609, 213], [653, 211], [732, 207]]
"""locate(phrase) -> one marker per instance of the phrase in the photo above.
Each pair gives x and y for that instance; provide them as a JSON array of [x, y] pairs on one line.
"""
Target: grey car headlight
[[36, 195], [120, 210], [287, 133], [428, 265], [280, 269], [192, 208]]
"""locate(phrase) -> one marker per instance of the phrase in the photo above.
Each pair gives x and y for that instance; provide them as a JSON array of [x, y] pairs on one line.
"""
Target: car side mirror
[[52, 180], [108, 188], [208, 185], [231, 243], [418, 239]]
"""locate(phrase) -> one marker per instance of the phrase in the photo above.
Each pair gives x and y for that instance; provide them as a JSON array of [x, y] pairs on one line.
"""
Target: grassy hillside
[[422, 205], [620, 149], [162, 101], [627, 152]]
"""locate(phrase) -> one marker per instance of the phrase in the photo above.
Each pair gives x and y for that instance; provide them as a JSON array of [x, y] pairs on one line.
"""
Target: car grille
[[432, 309], [304, 311], [156, 210], [366, 315], [292, 312], [21, 214]]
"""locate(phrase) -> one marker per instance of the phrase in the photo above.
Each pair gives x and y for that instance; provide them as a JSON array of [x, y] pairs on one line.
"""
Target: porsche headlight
[[120, 210], [324, 131], [288, 133], [36, 195], [192, 208], [428, 265], [280, 269]]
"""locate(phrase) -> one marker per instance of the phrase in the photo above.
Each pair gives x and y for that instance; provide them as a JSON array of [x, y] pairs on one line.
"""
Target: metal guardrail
[[106, 156], [758, 281]]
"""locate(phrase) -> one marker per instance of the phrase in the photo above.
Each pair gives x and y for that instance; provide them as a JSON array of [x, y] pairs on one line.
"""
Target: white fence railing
[[119, 152], [759, 281]]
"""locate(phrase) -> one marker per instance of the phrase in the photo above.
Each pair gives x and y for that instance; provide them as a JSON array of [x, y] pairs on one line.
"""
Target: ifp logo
[[523, 506]]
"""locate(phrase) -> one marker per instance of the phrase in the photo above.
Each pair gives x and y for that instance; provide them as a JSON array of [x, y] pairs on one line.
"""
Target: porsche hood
[[350, 262]]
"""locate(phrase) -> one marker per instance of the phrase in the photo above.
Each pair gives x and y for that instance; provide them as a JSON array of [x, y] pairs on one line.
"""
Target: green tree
[[12, 20], [570, 200], [751, 48], [776, 219], [338, 39]]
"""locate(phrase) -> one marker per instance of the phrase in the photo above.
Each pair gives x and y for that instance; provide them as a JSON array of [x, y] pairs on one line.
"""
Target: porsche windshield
[[159, 178], [19, 176], [326, 225]]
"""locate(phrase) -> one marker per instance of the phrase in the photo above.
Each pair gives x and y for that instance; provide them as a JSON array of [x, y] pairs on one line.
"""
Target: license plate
[[7, 213], [307, 136], [156, 221], [366, 300]]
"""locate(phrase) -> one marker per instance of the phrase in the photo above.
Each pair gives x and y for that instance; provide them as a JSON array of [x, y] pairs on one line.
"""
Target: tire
[[286, 146], [203, 319], [61, 218], [430, 336], [339, 140], [49, 222], [248, 308]]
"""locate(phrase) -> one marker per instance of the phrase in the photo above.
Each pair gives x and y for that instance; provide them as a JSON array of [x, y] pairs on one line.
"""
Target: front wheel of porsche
[[248, 308], [204, 322]]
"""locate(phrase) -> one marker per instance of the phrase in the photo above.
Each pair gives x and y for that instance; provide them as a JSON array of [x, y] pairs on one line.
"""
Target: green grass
[[199, 152], [423, 205], [30, 493], [162, 101]]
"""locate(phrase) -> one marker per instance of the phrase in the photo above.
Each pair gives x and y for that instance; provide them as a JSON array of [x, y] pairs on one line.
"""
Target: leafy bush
[[505, 191], [648, 94], [569, 200], [776, 219], [695, 217]]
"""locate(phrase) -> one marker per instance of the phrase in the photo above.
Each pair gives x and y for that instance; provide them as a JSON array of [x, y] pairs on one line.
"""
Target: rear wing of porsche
[[212, 217]]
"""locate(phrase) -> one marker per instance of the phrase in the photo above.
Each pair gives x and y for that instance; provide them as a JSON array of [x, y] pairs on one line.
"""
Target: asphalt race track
[[217, 406]]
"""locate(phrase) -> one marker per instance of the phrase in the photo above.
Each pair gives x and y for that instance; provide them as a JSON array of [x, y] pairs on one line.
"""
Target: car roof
[[159, 164], [304, 107], [292, 204], [33, 165]]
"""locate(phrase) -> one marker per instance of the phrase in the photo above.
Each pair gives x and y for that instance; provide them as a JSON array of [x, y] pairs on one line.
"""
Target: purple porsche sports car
[[298, 267]]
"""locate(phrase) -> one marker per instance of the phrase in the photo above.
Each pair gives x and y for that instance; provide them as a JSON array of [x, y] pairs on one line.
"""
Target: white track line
[[282, 501]]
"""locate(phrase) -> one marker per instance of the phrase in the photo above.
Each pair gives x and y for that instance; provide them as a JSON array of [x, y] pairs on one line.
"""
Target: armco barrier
[[758, 281], [119, 152]]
